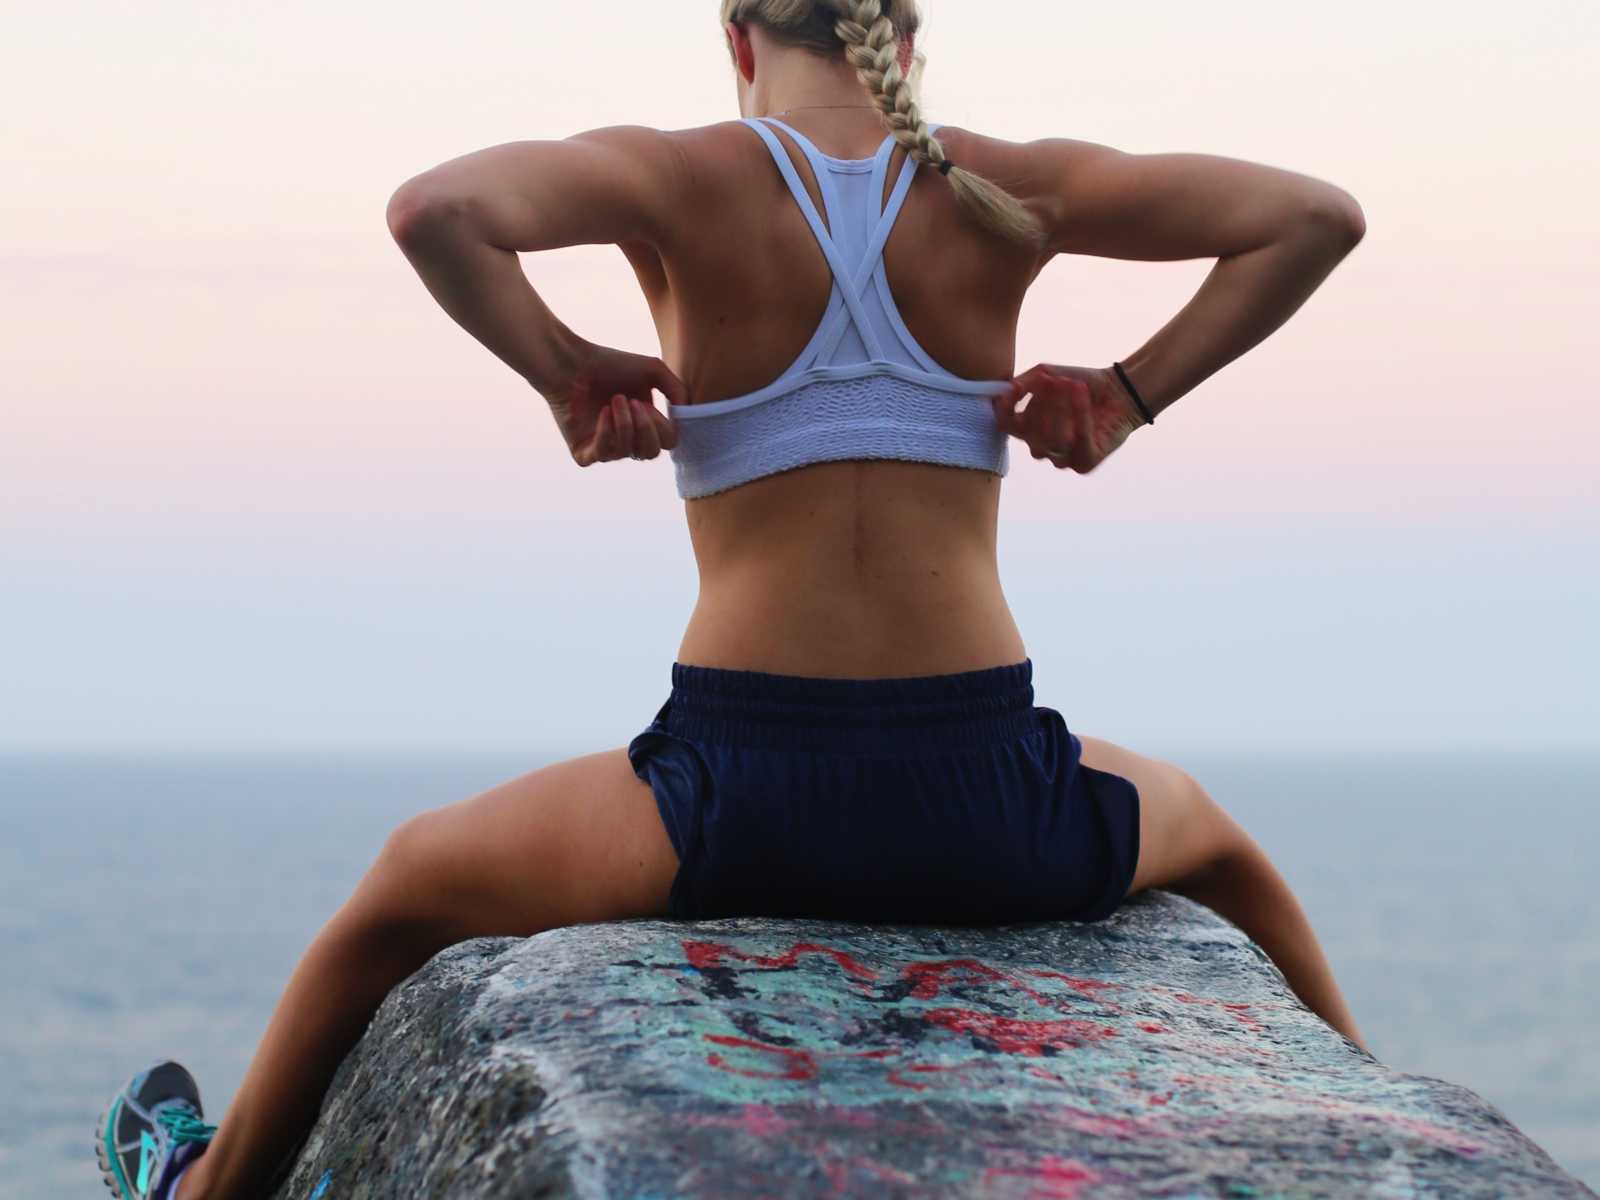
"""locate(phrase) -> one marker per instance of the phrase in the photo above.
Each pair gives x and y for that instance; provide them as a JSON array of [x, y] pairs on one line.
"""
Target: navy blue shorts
[[939, 799]]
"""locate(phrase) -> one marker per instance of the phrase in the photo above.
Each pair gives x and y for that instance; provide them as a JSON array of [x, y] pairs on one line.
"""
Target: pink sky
[[211, 343]]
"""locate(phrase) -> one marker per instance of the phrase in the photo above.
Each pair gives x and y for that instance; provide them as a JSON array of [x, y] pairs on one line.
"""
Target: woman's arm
[[1277, 235], [461, 224]]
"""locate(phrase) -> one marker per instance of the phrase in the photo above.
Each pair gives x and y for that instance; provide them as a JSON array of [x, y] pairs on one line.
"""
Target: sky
[[257, 491]]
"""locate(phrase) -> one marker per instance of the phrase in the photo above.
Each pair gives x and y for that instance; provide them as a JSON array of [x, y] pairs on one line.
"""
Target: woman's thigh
[[570, 843], [1182, 830]]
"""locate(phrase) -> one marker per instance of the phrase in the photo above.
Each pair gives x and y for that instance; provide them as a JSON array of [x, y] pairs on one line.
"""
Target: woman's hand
[[1077, 417], [605, 409]]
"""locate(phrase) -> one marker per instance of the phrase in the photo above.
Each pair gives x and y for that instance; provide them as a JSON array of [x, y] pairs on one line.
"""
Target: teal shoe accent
[[151, 1128], [148, 1153], [110, 1160]]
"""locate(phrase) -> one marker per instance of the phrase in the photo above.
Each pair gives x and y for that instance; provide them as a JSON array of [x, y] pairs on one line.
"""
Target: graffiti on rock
[[832, 1024]]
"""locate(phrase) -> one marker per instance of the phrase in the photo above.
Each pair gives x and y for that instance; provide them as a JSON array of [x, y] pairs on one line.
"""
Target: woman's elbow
[[417, 210], [1338, 214]]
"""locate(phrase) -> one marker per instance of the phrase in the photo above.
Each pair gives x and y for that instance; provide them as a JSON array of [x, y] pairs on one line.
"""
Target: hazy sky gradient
[[256, 489]]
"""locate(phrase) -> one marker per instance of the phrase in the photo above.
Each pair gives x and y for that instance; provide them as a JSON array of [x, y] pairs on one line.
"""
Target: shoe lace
[[183, 1126]]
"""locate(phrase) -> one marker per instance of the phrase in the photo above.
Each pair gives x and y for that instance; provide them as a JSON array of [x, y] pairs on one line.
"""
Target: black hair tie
[[946, 166], [1138, 400]]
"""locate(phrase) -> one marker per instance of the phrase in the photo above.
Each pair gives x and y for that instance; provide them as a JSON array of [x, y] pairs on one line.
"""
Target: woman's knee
[[1214, 835], [1184, 831], [408, 884]]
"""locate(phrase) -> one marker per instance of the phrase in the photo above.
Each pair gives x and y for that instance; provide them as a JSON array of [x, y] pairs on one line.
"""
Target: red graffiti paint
[[1051, 1177], [895, 1077], [899, 1080], [762, 1120], [838, 1177], [1091, 988], [801, 1066], [840, 1172], [1236, 1011], [702, 955], [930, 978], [883, 1171], [1016, 1036], [852, 1116], [1099, 1124]]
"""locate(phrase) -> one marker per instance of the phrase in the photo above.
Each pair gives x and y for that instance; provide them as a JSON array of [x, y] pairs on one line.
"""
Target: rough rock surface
[[1155, 1054]]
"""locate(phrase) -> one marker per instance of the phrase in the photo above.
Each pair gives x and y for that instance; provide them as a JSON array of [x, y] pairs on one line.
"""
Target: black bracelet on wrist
[[1138, 400]]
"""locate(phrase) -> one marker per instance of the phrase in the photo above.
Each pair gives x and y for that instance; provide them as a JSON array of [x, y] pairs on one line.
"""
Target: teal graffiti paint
[[743, 1026]]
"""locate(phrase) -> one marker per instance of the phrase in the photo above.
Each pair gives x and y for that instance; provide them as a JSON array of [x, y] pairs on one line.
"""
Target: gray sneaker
[[151, 1130]]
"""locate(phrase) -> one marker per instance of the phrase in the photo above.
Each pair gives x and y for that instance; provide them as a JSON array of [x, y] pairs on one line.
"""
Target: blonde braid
[[872, 47]]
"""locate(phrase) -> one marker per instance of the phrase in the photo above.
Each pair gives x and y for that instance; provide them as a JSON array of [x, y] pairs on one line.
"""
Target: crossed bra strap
[[850, 285]]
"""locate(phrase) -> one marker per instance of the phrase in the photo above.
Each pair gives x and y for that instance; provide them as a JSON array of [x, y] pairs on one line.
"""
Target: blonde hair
[[870, 32]]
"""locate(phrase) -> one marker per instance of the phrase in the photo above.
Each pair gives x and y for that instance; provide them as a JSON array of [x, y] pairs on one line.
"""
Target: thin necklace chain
[[804, 107]]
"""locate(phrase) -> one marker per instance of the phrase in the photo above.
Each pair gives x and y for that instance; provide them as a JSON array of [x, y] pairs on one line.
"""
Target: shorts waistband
[[967, 708]]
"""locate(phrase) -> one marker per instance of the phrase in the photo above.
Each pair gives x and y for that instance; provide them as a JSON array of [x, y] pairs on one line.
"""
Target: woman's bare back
[[851, 569], [869, 568]]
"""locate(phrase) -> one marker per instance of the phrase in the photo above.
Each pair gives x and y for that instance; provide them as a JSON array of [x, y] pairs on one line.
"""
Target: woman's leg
[[572, 843], [1189, 845]]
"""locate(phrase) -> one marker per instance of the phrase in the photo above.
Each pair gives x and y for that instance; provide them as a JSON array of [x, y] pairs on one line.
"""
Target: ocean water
[[155, 906]]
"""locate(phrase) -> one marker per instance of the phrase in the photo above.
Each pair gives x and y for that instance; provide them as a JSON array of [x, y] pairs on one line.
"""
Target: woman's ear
[[744, 55]]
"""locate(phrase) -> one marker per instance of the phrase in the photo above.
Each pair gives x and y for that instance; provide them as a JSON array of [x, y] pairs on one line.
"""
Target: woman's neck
[[799, 80]]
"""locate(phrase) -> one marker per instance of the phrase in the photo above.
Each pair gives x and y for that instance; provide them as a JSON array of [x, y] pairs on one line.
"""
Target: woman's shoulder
[[720, 136], [704, 158], [723, 151], [688, 172], [1019, 166], [1058, 179]]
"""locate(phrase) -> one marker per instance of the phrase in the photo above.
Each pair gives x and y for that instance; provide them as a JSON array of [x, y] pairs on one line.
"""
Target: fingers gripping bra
[[862, 388]]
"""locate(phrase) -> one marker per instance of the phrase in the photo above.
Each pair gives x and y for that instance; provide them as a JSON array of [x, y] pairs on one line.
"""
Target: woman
[[851, 729]]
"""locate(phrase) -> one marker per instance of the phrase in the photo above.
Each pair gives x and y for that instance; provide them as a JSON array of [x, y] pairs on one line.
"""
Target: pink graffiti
[[852, 1116], [839, 1173], [896, 1077], [801, 1065], [702, 955], [1016, 1036], [1051, 1177], [1100, 1124], [928, 979], [762, 1120], [1236, 1011], [1062, 997], [1084, 987], [931, 978]]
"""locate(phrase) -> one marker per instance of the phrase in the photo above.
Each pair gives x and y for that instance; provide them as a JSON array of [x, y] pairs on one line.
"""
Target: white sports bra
[[862, 388]]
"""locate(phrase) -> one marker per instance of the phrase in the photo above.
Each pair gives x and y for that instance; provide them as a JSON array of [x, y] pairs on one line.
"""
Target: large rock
[[1156, 1054]]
